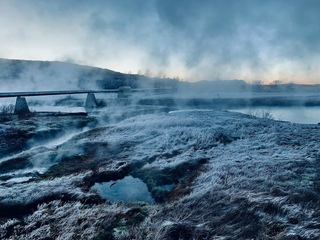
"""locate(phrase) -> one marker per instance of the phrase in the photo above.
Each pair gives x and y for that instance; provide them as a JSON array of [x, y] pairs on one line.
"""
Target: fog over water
[[305, 115]]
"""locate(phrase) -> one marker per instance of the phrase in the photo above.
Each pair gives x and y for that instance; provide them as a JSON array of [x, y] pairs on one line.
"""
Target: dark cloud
[[198, 39], [218, 28]]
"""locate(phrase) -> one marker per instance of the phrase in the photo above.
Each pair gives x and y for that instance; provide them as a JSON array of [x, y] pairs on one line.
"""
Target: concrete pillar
[[21, 106], [124, 92], [91, 102]]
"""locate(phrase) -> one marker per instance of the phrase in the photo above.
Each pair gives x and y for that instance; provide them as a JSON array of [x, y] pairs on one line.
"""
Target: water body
[[63, 109], [128, 189], [166, 187], [305, 115]]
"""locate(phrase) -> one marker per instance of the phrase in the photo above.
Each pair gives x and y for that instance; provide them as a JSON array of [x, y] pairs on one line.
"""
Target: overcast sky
[[195, 40]]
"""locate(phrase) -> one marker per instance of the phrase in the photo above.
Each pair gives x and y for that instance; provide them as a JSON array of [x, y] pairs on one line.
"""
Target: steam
[[194, 40], [17, 75], [43, 154]]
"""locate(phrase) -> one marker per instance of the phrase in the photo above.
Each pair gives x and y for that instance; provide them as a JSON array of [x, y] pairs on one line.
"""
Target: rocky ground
[[234, 176]]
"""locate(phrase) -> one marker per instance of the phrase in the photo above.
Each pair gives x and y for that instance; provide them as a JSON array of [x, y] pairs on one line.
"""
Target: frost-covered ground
[[236, 177]]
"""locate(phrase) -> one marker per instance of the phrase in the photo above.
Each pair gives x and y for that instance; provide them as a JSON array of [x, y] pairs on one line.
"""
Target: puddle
[[166, 187], [128, 189], [170, 186]]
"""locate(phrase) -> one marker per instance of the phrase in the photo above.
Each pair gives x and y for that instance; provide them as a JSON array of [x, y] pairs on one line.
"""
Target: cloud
[[249, 39]]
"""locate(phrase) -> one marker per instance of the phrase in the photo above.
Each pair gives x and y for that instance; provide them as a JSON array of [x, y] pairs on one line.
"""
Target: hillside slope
[[25, 75]]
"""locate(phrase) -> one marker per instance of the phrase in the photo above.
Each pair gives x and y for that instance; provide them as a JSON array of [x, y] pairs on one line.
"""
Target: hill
[[25, 75]]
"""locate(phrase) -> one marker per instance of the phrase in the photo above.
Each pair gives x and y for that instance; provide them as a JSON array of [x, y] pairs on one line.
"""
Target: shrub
[[6, 109], [264, 114]]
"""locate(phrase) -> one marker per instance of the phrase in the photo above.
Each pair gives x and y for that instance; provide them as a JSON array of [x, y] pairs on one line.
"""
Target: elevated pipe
[[67, 92], [21, 106]]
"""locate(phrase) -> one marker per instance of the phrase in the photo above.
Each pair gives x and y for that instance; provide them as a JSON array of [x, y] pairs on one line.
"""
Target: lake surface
[[305, 115], [129, 189]]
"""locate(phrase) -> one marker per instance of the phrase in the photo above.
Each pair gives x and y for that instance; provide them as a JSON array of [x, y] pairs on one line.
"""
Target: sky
[[194, 40]]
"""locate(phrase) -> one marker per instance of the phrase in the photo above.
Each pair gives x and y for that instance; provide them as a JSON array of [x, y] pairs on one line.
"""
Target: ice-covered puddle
[[128, 189]]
